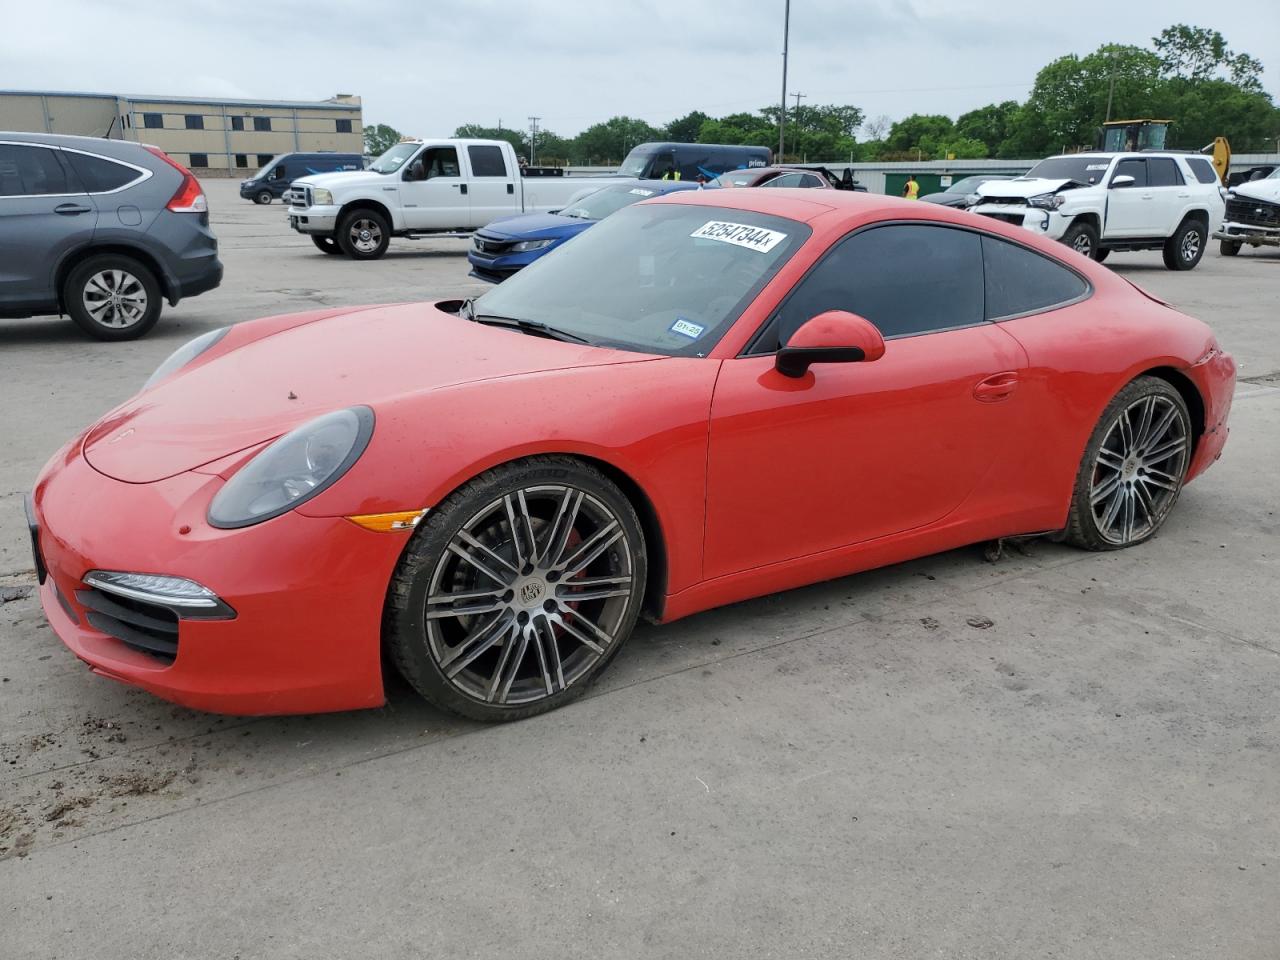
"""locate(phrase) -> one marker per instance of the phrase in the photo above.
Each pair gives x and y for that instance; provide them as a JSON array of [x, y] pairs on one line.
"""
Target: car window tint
[[1163, 172], [440, 162], [905, 278], [99, 175], [1132, 168], [1021, 281], [487, 161], [31, 171], [1203, 169], [808, 180], [786, 180]]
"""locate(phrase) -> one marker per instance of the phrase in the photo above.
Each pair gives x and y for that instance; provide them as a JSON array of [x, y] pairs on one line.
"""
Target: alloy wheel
[[1082, 244], [115, 299], [1190, 247], [1139, 469], [529, 595], [365, 235]]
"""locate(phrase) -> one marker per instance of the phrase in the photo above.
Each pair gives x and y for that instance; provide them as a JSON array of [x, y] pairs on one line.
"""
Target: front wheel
[[262, 197], [1184, 249], [517, 591], [1229, 248], [364, 234], [1101, 255], [1082, 238], [326, 244], [112, 297], [1133, 467]]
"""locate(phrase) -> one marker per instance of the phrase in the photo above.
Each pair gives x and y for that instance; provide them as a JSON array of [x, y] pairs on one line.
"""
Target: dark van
[[274, 179], [653, 161]]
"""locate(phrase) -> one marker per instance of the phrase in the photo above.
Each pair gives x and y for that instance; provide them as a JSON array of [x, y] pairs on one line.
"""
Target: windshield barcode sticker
[[739, 234], [686, 328], [640, 192], [1097, 166]]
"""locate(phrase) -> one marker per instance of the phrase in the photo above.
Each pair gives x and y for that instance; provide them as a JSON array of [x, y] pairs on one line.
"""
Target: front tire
[[1101, 255], [112, 297], [518, 590], [364, 234], [1133, 467], [326, 244], [1229, 248], [262, 197], [1184, 249], [1082, 238]]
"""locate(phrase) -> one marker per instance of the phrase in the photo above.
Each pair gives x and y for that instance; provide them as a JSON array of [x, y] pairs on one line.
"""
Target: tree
[[750, 129], [821, 131], [517, 138], [1197, 54], [685, 129], [990, 124], [609, 142], [379, 139], [919, 132], [877, 128]]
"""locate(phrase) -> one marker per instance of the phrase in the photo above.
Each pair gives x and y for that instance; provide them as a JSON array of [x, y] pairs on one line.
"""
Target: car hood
[[1268, 189], [535, 226], [246, 395], [1021, 188], [346, 178]]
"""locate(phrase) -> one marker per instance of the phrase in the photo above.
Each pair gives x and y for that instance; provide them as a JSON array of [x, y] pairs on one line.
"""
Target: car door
[[1170, 192], [44, 214], [855, 451], [492, 187], [1130, 210], [784, 180], [433, 191]]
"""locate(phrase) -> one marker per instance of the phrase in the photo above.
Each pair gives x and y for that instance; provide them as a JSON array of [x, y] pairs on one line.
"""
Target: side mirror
[[417, 171], [1123, 180], [836, 336]]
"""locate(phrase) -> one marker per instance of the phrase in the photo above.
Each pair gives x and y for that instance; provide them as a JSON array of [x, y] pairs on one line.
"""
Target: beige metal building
[[215, 137]]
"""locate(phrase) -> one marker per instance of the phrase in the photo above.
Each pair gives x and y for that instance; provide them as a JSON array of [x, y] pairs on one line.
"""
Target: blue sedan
[[505, 246]]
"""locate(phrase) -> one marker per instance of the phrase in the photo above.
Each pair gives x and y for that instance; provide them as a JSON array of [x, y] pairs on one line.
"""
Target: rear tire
[[326, 244], [1184, 249], [1133, 467], [262, 197], [518, 590], [112, 297], [1082, 237], [1102, 254], [1229, 248], [364, 234]]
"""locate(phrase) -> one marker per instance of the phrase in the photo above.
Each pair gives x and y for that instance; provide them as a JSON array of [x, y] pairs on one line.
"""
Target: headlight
[[321, 196], [1047, 201], [294, 469], [524, 246], [185, 354]]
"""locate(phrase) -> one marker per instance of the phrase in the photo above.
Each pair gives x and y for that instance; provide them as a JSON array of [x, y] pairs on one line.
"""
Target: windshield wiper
[[535, 327]]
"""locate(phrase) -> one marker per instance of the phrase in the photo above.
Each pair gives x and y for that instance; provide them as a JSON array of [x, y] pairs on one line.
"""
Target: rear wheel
[[112, 297], [518, 590], [1133, 467], [326, 244], [364, 234], [1082, 238], [1184, 249], [1229, 248], [262, 196], [1102, 254]]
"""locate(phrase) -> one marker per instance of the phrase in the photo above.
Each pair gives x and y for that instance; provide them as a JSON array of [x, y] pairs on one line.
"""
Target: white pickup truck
[[423, 187], [1102, 202], [1253, 215]]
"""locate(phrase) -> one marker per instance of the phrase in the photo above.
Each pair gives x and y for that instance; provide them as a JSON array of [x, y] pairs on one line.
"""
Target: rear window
[[1020, 281], [1163, 172], [99, 175], [487, 161], [1203, 169]]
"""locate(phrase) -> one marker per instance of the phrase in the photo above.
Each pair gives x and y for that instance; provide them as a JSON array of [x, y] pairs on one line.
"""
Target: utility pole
[[533, 138], [796, 122], [782, 104], [1111, 91]]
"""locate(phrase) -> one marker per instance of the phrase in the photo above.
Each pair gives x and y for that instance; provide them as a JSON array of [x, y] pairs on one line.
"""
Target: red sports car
[[707, 397]]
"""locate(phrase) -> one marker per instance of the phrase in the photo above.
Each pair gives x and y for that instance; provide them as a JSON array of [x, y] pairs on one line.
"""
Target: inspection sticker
[[1097, 166], [686, 328], [740, 234], [641, 192]]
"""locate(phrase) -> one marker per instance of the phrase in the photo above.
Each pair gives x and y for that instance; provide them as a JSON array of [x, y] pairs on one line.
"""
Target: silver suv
[[103, 230]]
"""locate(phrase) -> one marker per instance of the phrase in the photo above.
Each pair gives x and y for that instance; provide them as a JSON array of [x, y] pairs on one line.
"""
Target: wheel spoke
[[506, 673], [1109, 458], [598, 543], [1105, 489], [548, 662], [562, 527], [443, 604], [1126, 432], [1113, 508], [475, 643], [578, 635], [1143, 497], [1128, 516], [1158, 478], [1144, 419], [594, 588], [509, 505], [1161, 427], [1165, 451], [601, 638], [487, 553], [477, 563]]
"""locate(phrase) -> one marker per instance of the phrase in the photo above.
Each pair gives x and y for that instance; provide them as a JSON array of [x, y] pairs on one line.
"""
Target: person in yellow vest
[[912, 190], [671, 174]]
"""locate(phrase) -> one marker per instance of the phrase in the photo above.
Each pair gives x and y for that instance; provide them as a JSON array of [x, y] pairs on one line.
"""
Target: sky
[[427, 66]]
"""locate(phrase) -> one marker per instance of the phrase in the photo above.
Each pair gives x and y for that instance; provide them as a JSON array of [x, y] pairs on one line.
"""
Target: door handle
[[998, 386], [1148, 196], [71, 209], [460, 186], [511, 188]]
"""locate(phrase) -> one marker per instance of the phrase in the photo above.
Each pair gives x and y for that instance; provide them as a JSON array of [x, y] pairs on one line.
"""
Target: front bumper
[[496, 268], [307, 592], [1047, 223], [1247, 233], [1215, 380], [314, 219]]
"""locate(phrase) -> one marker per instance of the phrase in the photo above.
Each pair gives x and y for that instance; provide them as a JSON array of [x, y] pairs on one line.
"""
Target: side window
[[277, 172], [906, 279], [809, 180], [31, 172], [1132, 168], [1020, 281], [1203, 169], [237, 123], [786, 180], [437, 162], [487, 161], [153, 121], [99, 175], [1163, 172]]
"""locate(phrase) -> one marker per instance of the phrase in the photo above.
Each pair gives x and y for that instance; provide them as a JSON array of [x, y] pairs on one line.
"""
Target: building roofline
[[212, 101]]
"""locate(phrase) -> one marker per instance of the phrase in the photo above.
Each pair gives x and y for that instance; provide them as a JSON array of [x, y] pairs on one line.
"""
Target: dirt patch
[[64, 806], [137, 783]]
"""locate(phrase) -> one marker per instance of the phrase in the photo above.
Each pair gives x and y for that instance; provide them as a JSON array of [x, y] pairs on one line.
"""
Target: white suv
[[1099, 202]]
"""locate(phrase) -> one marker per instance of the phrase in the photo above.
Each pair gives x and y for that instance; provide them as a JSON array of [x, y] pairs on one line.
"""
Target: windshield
[[968, 184], [598, 205], [1082, 169], [737, 178], [638, 162], [394, 159], [657, 278]]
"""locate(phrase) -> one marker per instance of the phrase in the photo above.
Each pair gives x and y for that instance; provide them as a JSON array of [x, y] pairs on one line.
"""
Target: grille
[[300, 197], [140, 626], [1014, 218], [491, 246], [1253, 213], [1007, 201]]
